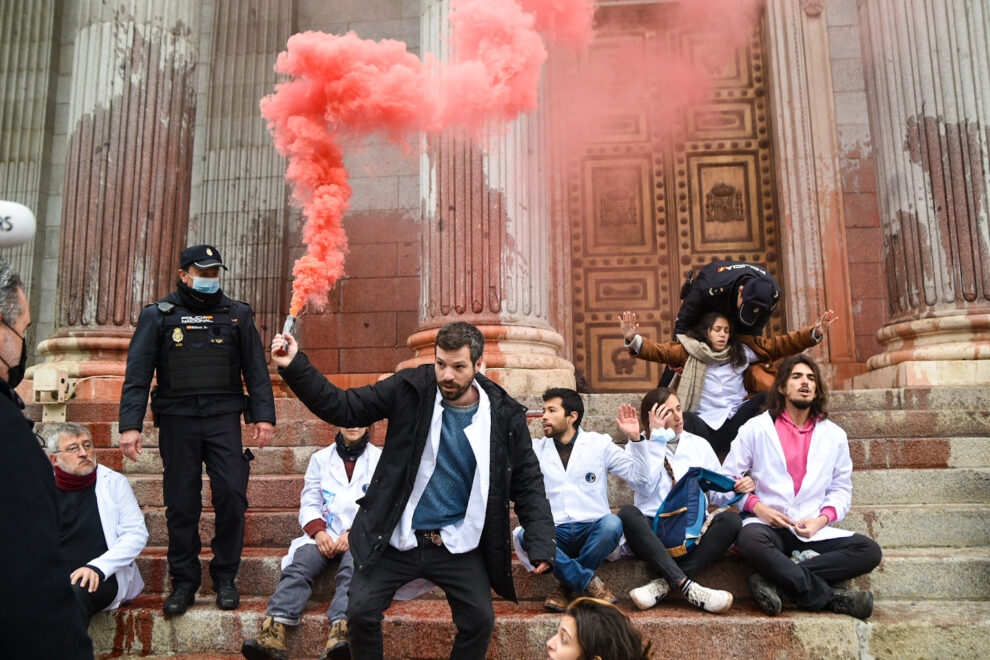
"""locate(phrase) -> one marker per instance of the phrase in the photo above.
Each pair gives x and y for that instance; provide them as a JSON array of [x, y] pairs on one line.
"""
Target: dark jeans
[[296, 585], [185, 444], [462, 577], [639, 534], [807, 584], [91, 603], [721, 438]]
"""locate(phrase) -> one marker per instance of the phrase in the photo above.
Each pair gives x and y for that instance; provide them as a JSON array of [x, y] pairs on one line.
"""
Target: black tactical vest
[[199, 353]]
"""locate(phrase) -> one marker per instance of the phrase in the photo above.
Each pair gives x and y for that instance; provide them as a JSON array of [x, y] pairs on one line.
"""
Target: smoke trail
[[344, 88]]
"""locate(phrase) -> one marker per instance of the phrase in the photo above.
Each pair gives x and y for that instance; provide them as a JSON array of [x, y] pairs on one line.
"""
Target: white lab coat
[[828, 481], [328, 495], [692, 451], [124, 531], [464, 535], [580, 493]]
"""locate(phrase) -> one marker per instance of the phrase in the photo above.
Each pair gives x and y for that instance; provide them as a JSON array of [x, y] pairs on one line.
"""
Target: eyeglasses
[[76, 449]]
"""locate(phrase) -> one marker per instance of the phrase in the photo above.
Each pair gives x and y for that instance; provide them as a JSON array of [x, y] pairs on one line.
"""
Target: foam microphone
[[17, 224]]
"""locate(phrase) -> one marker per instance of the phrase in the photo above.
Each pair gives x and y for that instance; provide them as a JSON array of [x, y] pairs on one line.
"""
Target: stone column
[[809, 188], [927, 66], [128, 164], [486, 244], [239, 199], [25, 72]]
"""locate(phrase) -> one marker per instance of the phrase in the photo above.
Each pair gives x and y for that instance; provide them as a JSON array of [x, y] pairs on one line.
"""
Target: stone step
[[857, 424], [422, 629], [905, 573], [867, 453], [870, 487]]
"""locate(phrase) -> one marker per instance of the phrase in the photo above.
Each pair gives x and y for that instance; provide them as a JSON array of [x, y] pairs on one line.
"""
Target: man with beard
[[802, 469], [576, 464], [456, 451], [38, 618], [101, 528], [198, 343]]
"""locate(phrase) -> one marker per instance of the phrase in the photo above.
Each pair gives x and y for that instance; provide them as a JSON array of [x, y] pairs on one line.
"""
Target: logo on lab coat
[[590, 477]]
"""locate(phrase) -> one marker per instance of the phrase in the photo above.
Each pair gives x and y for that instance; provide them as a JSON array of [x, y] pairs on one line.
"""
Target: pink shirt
[[795, 442]]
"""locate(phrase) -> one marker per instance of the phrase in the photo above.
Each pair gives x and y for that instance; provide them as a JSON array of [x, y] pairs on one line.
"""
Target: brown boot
[[558, 599], [270, 643], [337, 647], [597, 589]]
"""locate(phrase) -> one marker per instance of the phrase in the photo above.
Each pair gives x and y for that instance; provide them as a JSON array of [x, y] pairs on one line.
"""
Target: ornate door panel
[[660, 193]]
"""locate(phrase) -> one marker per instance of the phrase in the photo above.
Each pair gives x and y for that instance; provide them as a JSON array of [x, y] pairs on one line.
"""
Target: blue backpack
[[680, 520]]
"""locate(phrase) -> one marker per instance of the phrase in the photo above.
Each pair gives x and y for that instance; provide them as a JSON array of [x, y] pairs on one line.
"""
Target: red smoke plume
[[346, 88]]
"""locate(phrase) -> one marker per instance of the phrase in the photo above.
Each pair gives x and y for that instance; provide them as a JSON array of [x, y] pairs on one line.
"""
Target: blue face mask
[[662, 435], [206, 284]]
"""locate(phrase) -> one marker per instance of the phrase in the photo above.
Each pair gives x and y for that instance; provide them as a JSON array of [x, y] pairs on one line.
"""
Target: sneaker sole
[[767, 604], [643, 605], [252, 652], [340, 652]]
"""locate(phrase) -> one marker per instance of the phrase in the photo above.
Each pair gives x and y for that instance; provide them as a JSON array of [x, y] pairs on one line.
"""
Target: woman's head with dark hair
[[719, 332], [594, 629], [799, 381], [661, 396]]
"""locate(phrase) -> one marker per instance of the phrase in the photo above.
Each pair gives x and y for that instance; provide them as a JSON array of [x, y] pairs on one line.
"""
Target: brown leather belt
[[431, 535]]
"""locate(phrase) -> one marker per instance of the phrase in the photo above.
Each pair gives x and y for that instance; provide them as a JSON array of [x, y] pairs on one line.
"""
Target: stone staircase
[[921, 489]]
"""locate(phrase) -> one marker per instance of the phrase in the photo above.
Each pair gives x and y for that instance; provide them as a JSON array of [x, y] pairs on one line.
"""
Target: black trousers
[[186, 443], [91, 603], [807, 584], [721, 438], [462, 577], [639, 534]]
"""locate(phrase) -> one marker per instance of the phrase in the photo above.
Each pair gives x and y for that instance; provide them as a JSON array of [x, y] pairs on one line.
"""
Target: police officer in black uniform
[[198, 342], [744, 293]]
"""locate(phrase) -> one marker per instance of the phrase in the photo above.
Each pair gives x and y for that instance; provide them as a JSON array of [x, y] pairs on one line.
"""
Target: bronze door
[[660, 193]]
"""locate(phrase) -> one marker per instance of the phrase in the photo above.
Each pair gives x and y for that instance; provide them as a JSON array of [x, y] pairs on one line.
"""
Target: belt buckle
[[434, 538]]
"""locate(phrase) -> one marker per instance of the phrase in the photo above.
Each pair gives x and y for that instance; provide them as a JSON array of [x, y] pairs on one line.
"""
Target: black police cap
[[201, 256]]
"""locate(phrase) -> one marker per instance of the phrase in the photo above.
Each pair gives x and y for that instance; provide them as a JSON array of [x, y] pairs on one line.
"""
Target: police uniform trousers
[[186, 443]]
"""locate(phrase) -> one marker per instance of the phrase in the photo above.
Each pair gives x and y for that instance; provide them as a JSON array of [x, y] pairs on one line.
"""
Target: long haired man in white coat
[[802, 469], [337, 477], [101, 528], [575, 465]]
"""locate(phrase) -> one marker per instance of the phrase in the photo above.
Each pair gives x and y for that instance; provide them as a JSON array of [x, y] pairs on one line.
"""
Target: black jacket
[[142, 359], [715, 288], [38, 614], [406, 399]]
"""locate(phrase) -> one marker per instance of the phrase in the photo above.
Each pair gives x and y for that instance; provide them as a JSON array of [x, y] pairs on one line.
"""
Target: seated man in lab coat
[[101, 528], [575, 465], [801, 465], [336, 478]]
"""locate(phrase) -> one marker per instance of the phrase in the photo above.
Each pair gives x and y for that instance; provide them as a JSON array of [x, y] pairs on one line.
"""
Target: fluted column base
[[948, 350], [522, 359]]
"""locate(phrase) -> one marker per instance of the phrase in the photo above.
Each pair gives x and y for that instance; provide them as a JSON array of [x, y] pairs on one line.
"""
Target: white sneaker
[[650, 593], [710, 600]]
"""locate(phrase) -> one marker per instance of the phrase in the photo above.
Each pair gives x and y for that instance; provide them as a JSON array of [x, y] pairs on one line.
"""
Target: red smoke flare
[[346, 88]]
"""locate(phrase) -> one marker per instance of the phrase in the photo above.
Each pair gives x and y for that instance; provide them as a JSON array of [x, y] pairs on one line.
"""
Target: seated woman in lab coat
[[669, 452], [801, 465], [721, 369]]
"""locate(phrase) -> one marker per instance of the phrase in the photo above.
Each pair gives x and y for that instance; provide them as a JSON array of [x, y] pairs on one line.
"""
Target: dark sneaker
[[180, 599], [337, 647], [270, 643], [597, 589], [227, 596], [765, 594], [852, 602], [558, 599]]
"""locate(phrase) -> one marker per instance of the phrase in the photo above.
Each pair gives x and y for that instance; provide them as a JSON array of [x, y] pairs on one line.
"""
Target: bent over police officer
[[198, 343]]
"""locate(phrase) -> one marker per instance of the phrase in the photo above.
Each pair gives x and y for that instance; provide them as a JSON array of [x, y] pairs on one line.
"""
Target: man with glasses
[[37, 615], [101, 529]]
